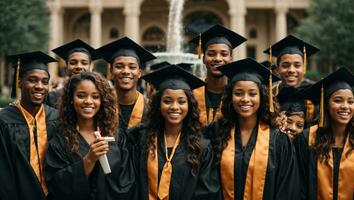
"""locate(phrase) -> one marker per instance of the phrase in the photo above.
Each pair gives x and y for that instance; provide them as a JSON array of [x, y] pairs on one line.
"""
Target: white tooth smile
[[245, 107], [87, 109]]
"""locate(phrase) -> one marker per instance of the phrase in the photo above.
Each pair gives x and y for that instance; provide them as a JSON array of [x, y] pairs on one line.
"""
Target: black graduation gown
[[125, 113], [17, 178], [64, 173], [53, 97], [282, 172], [184, 186], [308, 162]]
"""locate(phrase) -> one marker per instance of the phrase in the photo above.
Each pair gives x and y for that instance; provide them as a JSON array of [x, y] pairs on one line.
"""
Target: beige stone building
[[98, 22]]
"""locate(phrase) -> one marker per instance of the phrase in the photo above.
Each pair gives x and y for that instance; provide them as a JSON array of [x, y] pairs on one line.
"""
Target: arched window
[[253, 33], [81, 28], [113, 33], [154, 33]]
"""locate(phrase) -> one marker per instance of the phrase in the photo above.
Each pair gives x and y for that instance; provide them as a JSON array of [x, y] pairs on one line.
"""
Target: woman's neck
[[126, 97], [171, 133], [247, 123], [339, 133], [86, 126], [216, 85]]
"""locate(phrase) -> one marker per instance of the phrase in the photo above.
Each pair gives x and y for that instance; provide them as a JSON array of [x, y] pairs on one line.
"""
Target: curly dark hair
[[191, 131], [324, 137], [106, 118], [229, 117]]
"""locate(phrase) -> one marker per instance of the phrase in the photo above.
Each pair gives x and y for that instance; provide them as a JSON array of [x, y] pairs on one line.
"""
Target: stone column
[[132, 13], [281, 9], [238, 11], [56, 32], [95, 7]]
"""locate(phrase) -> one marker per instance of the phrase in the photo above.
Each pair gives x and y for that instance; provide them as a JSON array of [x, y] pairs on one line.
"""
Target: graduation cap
[[159, 65], [291, 45], [173, 77], [78, 45], [288, 96], [340, 79], [250, 70], [185, 66], [26, 62], [217, 34], [125, 47]]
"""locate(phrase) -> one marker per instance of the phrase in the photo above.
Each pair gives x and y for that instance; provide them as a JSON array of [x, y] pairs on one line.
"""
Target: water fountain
[[174, 53]]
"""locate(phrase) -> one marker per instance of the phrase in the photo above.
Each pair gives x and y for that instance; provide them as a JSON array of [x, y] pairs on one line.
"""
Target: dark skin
[[34, 86], [216, 55]]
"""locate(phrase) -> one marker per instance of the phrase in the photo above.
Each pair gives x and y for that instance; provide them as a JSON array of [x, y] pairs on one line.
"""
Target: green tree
[[24, 26], [330, 27]]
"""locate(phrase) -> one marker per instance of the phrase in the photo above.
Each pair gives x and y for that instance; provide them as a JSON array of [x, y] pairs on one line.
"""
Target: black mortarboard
[[250, 70], [185, 66], [247, 70], [292, 45], [25, 62], [159, 65], [217, 34], [340, 79], [77, 45], [125, 47], [173, 77], [288, 96]]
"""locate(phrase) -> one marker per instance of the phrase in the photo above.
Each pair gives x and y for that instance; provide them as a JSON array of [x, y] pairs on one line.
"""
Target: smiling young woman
[[326, 149], [71, 168], [174, 161], [256, 161]]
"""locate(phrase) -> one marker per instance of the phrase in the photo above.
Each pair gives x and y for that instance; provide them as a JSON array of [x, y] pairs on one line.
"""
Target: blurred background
[[27, 25]]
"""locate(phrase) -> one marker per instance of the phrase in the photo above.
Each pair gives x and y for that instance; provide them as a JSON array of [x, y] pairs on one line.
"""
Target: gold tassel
[[17, 77], [270, 56], [200, 46], [271, 106], [321, 123], [305, 60]]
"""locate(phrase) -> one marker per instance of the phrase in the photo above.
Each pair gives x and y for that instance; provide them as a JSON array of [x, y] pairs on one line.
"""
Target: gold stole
[[205, 118], [37, 157], [325, 172], [137, 112], [257, 167], [161, 190]]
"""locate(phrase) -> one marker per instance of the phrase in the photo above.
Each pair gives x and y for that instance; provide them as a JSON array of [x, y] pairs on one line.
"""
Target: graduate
[[329, 157], [78, 57], [295, 120], [216, 44], [26, 126], [256, 160], [292, 54], [71, 169], [173, 159], [127, 59]]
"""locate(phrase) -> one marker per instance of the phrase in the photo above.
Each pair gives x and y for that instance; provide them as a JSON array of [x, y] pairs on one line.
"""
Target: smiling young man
[[127, 58], [292, 54], [25, 128], [217, 44], [78, 57]]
